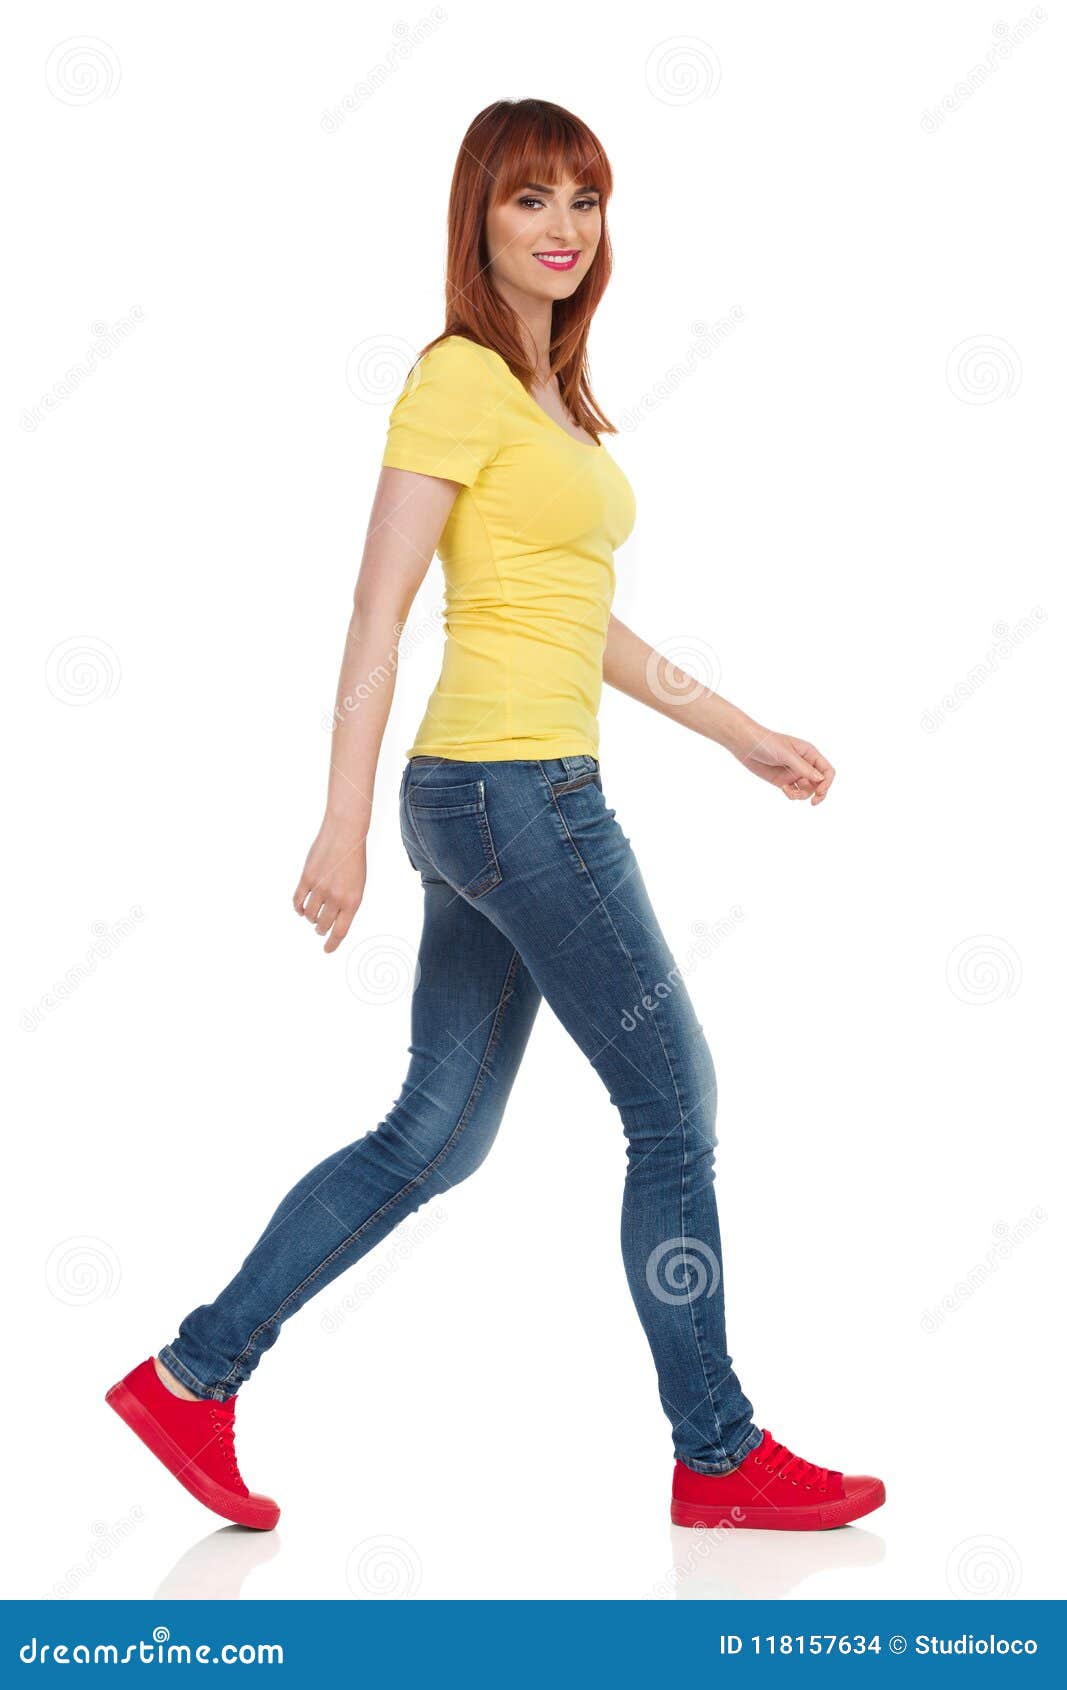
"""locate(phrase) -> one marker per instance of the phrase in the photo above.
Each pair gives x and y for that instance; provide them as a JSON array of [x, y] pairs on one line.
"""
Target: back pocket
[[451, 825]]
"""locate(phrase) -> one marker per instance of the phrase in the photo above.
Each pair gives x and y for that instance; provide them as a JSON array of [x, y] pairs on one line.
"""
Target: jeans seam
[[419, 1179], [574, 847], [683, 1204], [682, 1193]]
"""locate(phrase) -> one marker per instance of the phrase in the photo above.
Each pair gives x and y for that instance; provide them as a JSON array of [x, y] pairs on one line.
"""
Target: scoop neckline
[[586, 445]]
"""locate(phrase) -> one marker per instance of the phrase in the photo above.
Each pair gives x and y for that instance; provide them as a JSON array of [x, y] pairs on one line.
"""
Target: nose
[[561, 229]]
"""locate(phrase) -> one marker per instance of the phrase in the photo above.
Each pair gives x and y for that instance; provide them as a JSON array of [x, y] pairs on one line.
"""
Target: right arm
[[407, 517]]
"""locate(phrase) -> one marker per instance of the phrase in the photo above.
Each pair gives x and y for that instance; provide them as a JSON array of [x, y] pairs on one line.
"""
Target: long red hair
[[510, 143]]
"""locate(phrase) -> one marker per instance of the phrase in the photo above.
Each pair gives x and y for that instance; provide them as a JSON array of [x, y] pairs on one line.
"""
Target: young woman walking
[[530, 887]]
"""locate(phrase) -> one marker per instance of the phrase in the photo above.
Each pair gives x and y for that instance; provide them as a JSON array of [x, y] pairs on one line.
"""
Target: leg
[[472, 1011], [549, 865]]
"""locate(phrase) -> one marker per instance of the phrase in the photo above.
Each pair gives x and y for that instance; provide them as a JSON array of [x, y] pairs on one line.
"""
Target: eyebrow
[[540, 188]]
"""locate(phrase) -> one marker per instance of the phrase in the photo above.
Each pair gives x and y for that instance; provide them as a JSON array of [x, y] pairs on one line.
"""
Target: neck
[[535, 327]]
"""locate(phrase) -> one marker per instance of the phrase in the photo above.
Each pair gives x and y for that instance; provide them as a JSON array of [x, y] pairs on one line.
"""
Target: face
[[542, 238]]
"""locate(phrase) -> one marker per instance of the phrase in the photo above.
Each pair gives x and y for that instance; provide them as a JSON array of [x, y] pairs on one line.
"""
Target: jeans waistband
[[575, 764]]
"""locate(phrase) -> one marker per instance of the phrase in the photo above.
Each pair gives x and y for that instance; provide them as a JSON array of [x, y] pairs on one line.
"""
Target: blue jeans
[[530, 890]]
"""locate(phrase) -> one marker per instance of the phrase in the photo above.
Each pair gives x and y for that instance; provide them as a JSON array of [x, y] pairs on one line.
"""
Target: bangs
[[549, 149]]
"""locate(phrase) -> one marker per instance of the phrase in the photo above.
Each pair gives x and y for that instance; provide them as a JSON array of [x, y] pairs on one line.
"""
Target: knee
[[436, 1147], [694, 1074]]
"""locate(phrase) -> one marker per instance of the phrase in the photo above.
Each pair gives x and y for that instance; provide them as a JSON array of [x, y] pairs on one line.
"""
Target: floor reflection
[[716, 1565], [721, 1564], [217, 1566]]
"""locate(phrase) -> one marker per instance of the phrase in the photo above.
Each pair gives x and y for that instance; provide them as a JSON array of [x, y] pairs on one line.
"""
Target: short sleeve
[[446, 420]]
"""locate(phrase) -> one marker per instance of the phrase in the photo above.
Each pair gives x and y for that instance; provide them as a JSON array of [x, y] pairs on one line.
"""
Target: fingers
[[341, 926], [798, 786], [327, 916], [804, 766], [330, 914], [826, 772], [810, 774], [308, 900]]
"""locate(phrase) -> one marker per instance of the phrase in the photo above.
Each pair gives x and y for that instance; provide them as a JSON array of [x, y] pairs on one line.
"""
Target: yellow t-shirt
[[528, 559]]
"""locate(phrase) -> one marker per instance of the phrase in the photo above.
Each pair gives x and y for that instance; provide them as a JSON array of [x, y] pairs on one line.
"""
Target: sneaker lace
[[775, 1458], [223, 1425]]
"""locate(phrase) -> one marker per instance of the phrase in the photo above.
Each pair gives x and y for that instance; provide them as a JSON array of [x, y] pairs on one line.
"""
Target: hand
[[331, 886], [791, 764]]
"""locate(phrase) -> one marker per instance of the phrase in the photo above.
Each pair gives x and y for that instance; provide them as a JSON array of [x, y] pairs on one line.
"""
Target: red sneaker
[[195, 1441], [773, 1489]]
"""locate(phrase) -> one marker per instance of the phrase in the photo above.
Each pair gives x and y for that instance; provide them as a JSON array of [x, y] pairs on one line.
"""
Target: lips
[[557, 260]]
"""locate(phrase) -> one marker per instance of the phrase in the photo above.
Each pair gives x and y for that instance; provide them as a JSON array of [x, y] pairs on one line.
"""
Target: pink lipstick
[[557, 260]]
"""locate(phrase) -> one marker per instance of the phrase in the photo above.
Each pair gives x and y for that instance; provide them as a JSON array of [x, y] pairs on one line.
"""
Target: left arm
[[637, 669]]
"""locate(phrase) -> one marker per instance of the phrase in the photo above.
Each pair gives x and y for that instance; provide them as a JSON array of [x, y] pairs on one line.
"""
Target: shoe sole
[[816, 1517], [141, 1420]]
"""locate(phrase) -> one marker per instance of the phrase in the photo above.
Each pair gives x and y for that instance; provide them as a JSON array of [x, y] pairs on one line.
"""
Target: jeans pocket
[[452, 826]]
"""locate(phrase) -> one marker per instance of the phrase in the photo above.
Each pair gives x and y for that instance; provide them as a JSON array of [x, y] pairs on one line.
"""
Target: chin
[[562, 287]]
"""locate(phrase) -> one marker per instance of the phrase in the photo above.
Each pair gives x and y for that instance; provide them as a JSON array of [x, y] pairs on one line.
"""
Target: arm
[[637, 669], [406, 520]]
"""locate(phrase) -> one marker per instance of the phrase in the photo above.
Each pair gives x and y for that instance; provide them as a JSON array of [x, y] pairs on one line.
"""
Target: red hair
[[510, 143]]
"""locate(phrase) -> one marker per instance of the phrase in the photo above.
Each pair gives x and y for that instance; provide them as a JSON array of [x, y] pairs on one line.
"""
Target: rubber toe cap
[[863, 1487]]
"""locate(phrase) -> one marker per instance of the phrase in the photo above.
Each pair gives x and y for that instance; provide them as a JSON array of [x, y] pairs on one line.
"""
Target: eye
[[532, 202]]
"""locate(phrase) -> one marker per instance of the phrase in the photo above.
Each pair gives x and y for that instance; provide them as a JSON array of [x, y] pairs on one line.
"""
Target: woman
[[530, 887]]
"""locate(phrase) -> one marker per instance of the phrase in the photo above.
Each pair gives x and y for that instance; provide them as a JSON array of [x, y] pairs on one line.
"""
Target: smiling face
[[542, 239]]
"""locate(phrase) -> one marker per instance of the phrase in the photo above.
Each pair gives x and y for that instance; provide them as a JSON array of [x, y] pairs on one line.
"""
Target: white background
[[842, 508]]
